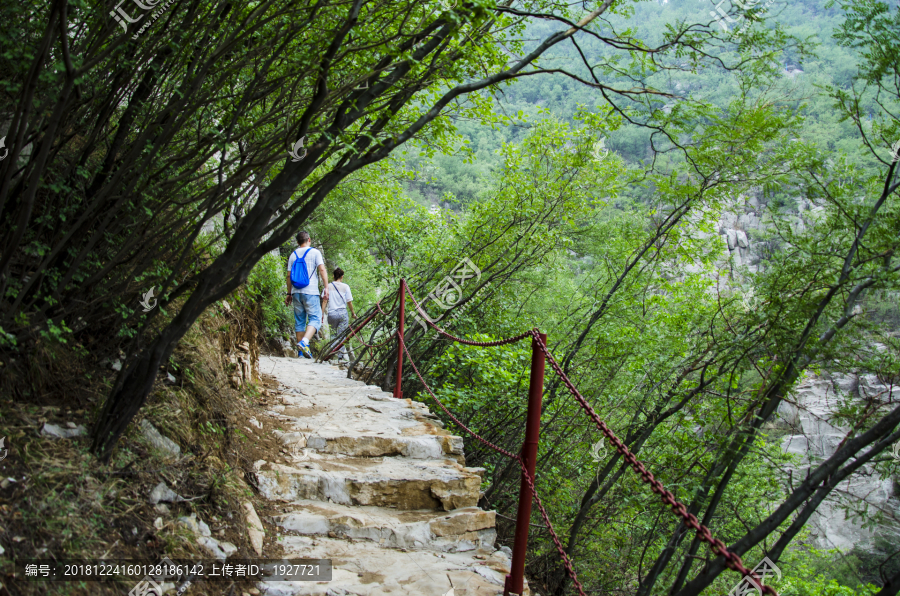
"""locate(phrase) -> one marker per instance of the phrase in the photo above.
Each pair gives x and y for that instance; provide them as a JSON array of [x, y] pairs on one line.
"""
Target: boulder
[[845, 384], [871, 387], [731, 238]]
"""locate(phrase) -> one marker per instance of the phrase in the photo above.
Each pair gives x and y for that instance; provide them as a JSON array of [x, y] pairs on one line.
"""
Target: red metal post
[[515, 581], [398, 393]]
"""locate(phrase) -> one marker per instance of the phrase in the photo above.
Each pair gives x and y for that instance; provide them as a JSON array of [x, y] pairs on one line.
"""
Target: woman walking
[[340, 299]]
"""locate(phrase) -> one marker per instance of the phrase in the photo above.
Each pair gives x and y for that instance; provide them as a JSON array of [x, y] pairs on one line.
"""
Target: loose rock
[[164, 444], [254, 528], [51, 430], [197, 526], [219, 550], [162, 493]]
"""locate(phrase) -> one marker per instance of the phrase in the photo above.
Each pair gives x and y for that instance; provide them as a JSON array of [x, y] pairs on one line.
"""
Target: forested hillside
[[697, 203], [811, 23]]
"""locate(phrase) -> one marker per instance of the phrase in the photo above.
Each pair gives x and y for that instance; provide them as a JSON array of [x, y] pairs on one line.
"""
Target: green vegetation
[[594, 183]]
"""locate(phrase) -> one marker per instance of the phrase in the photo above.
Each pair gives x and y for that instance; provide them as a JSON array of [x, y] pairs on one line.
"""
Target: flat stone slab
[[164, 444], [365, 569], [375, 444], [459, 530], [384, 482], [349, 418]]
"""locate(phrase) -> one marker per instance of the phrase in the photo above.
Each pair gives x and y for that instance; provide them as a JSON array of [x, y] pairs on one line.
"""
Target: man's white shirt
[[313, 260]]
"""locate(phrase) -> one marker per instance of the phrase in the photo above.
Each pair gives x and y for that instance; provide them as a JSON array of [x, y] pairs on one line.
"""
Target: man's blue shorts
[[307, 311]]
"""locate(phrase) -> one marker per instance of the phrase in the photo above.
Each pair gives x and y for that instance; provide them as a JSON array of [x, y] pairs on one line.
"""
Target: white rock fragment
[[195, 525], [163, 494], [51, 430], [844, 383], [164, 444], [254, 528], [219, 550]]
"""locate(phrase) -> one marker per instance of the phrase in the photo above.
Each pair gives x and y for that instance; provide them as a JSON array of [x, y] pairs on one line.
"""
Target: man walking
[[305, 297]]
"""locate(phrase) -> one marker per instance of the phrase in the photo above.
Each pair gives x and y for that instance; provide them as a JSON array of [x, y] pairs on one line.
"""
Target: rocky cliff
[[807, 418]]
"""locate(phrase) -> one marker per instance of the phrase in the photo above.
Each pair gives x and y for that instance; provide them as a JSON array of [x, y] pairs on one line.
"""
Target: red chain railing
[[526, 460], [732, 560], [448, 412]]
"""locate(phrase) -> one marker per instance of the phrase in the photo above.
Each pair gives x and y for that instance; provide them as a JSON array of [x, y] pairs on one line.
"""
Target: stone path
[[375, 484]]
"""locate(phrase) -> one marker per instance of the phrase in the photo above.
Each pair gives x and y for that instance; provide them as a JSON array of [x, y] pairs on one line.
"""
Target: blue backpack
[[299, 273]]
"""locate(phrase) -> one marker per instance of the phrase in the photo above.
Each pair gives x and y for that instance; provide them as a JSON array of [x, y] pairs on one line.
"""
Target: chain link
[[559, 547]]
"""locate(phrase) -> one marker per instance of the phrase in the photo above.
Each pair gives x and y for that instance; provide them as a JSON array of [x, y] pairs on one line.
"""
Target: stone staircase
[[375, 484]]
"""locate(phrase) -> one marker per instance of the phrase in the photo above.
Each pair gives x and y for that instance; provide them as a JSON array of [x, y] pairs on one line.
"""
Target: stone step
[[371, 445], [459, 530], [377, 486], [398, 482], [361, 423], [367, 569]]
